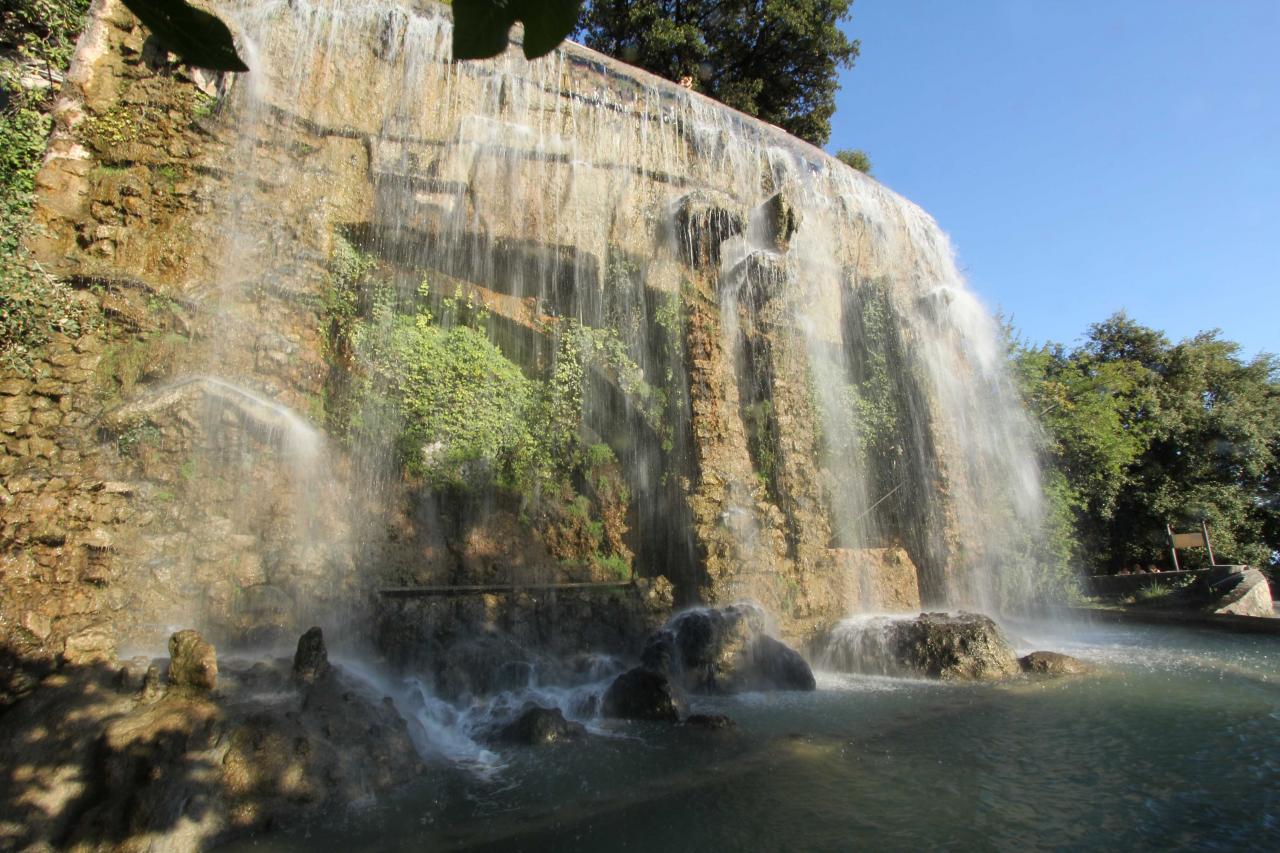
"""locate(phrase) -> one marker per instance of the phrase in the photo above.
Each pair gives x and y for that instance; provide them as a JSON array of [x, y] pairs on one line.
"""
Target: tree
[[1140, 433], [773, 59], [856, 158]]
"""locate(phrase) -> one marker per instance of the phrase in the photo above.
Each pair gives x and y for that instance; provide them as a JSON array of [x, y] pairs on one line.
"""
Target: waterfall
[[779, 352]]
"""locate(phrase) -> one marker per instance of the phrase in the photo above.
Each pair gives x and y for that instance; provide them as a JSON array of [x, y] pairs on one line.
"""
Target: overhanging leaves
[[481, 27], [197, 37]]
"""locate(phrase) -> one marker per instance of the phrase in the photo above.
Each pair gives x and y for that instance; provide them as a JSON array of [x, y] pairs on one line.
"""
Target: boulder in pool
[[949, 646], [537, 726], [1052, 663], [642, 694], [725, 650]]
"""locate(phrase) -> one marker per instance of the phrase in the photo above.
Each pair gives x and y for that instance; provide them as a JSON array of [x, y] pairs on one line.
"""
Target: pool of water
[[1173, 743]]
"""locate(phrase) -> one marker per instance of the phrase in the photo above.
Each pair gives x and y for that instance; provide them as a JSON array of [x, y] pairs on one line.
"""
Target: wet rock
[[959, 646], [716, 722], [725, 650], [780, 221], [1052, 663], [642, 694], [776, 664], [192, 661], [538, 726], [311, 661], [962, 646], [703, 221]]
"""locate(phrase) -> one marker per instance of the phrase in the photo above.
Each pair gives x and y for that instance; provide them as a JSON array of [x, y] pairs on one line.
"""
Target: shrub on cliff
[[777, 60]]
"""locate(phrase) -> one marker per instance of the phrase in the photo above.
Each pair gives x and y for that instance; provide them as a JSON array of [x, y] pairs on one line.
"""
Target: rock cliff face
[[368, 318]]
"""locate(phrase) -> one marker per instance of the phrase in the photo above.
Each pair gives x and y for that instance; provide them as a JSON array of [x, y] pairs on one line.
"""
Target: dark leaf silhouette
[[197, 37], [480, 27]]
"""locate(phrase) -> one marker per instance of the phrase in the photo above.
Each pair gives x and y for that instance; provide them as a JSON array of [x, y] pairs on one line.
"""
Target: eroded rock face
[[192, 661], [959, 646], [538, 726], [1052, 663], [725, 650], [642, 694]]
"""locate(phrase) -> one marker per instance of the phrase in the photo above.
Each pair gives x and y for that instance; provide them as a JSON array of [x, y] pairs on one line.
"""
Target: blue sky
[[1085, 156]]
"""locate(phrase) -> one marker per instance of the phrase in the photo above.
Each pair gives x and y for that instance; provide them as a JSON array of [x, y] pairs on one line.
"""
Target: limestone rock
[[642, 694], [1052, 663], [192, 661], [1250, 595], [92, 645], [311, 661], [538, 726]]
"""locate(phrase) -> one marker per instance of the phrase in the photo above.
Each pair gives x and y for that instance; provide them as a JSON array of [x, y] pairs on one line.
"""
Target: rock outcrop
[[725, 650]]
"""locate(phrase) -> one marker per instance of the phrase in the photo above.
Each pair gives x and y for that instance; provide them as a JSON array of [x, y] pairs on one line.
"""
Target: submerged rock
[[311, 661], [958, 646], [539, 726], [642, 694], [1052, 663], [710, 721], [192, 661], [725, 650]]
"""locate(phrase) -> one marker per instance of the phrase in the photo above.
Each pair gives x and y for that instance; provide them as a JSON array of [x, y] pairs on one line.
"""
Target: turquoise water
[[1174, 743]]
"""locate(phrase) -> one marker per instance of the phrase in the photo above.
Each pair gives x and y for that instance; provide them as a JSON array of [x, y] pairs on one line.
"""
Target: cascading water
[[775, 384], [864, 380]]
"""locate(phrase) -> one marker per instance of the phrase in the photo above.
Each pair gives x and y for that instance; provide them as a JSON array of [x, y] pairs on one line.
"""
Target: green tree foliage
[[1140, 432], [773, 59], [855, 158]]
